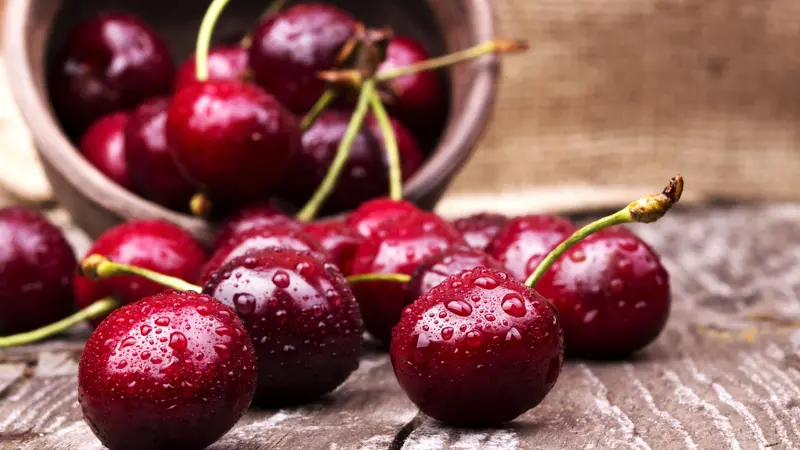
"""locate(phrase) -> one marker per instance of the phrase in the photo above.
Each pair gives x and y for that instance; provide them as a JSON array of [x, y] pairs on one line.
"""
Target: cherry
[[371, 214], [152, 169], [398, 247], [232, 139], [103, 145], [257, 215], [224, 63], [480, 229], [478, 350], [338, 239], [109, 62], [36, 267], [524, 242], [290, 47], [174, 370], [152, 244], [301, 316], [436, 268]]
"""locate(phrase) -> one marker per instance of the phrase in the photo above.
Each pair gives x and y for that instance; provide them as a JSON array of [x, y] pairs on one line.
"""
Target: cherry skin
[[103, 145], [232, 139], [397, 246], [174, 370], [301, 316], [147, 153], [36, 267], [257, 215], [108, 63], [338, 239], [224, 63], [525, 241], [436, 268], [371, 214], [480, 229], [151, 244], [478, 350], [611, 292]]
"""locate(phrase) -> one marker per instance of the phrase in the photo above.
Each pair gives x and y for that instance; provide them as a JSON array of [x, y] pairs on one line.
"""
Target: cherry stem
[[98, 267], [273, 8], [392, 152], [93, 311], [645, 210], [321, 105], [343, 151], [204, 37], [395, 277]]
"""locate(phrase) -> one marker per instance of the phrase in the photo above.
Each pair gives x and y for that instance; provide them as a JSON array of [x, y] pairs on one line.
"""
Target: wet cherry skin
[[152, 244], [478, 350], [338, 239], [437, 267], [525, 241], [36, 267], [480, 229], [397, 246], [302, 318], [173, 370], [152, 169], [109, 62], [301, 41], [232, 139], [257, 215], [612, 294], [103, 145], [372, 213], [227, 62]]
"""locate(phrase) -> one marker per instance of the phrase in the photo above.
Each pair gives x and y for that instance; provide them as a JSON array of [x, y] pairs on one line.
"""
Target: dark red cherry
[[436, 268], [103, 145], [364, 176], [611, 292], [108, 63], [232, 139], [524, 242], [301, 316], [36, 267], [224, 63], [397, 246], [174, 370], [152, 169], [152, 244], [478, 350], [480, 229], [371, 214], [291, 47], [257, 215], [340, 241]]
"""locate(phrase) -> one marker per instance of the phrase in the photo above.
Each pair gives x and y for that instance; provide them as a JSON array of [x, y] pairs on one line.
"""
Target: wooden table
[[725, 373]]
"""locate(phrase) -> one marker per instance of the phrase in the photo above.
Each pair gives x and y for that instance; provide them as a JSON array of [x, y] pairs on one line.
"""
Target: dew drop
[[199, 356], [127, 342], [145, 329], [245, 303], [640, 305], [624, 266], [616, 285], [222, 350], [589, 316], [486, 282], [459, 307], [513, 305], [162, 321], [577, 256], [281, 279], [156, 360], [203, 310], [474, 338], [630, 245], [145, 355], [490, 317], [426, 328], [447, 333], [223, 330], [305, 269], [456, 284], [442, 314], [122, 364], [513, 334], [177, 341]]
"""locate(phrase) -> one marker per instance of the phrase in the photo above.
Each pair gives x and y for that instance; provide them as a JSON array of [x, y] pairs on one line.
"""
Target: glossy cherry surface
[[371, 214], [525, 241], [152, 244], [174, 370], [103, 145], [437, 267], [478, 350], [338, 239], [397, 246], [152, 169], [109, 62], [36, 267], [611, 292], [246, 218], [301, 316], [289, 49], [480, 229], [224, 63], [232, 139]]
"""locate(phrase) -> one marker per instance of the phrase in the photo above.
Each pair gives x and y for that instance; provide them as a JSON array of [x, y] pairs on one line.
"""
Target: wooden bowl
[[34, 28]]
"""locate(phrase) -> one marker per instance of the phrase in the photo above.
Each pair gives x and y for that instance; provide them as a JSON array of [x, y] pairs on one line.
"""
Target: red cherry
[[301, 316], [524, 242], [371, 214], [232, 139], [103, 145], [480, 229], [340, 241], [152, 244], [398, 246], [611, 292], [258, 215], [36, 267], [152, 169], [108, 63], [478, 350], [174, 370], [364, 176], [289, 49], [436, 268], [224, 63]]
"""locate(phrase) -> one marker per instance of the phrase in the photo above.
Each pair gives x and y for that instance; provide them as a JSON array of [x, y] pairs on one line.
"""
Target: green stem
[[396, 277], [392, 152], [204, 37], [329, 182], [97, 309], [98, 267], [321, 105]]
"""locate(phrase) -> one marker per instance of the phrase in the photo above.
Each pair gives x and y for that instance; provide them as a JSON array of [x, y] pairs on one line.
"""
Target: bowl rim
[[451, 152]]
